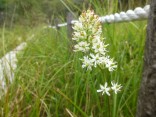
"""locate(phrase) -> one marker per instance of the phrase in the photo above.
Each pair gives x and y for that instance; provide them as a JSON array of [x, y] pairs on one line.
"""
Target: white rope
[[8, 64], [131, 15]]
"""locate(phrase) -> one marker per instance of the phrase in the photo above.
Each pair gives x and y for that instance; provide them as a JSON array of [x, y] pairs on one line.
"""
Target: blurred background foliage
[[32, 12]]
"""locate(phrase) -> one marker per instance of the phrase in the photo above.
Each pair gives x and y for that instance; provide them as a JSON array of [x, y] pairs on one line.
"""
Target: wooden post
[[147, 95], [1, 17], [70, 17], [56, 22]]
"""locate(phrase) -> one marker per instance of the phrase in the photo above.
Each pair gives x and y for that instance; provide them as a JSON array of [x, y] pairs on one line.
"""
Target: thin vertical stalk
[[87, 92], [3, 38], [109, 109], [114, 105]]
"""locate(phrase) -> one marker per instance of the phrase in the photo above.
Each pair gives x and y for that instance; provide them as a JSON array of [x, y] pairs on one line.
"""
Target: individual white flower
[[102, 60], [95, 59], [97, 30], [87, 16], [110, 64], [82, 17], [95, 39], [115, 87], [79, 35], [87, 63], [78, 26], [82, 46], [104, 89], [99, 48]]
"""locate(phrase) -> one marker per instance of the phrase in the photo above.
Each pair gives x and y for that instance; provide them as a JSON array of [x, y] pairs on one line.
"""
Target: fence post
[[56, 22], [147, 96], [70, 17]]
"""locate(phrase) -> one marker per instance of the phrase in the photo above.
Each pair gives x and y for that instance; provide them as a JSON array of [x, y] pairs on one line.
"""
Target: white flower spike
[[88, 36]]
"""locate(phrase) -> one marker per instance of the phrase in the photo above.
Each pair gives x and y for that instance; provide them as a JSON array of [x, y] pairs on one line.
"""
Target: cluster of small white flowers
[[106, 90], [89, 40], [88, 35]]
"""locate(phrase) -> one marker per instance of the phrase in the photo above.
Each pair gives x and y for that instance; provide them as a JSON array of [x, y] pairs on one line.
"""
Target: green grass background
[[50, 82]]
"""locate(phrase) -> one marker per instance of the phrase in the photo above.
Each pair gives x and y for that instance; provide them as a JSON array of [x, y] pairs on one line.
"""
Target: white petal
[[99, 90]]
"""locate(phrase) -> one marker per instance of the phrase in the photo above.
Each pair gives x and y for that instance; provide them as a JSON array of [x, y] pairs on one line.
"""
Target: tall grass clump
[[50, 80], [11, 37]]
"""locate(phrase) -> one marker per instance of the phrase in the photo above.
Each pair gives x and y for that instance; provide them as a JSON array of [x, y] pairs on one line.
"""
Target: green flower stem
[[109, 107], [87, 92], [114, 105]]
